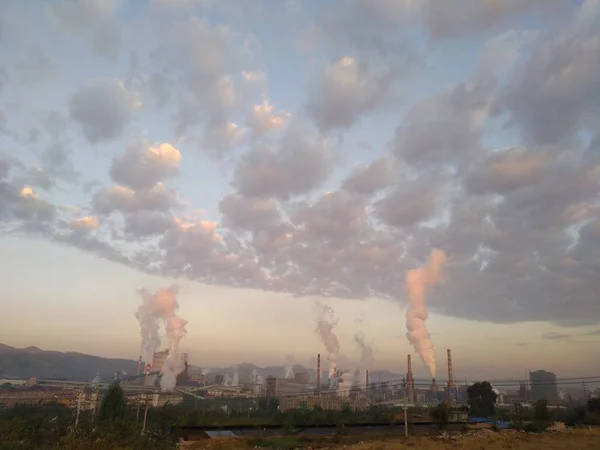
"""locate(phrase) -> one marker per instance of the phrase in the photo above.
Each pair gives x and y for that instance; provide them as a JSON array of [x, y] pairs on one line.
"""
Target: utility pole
[[137, 413], [79, 399], [95, 399], [145, 413]]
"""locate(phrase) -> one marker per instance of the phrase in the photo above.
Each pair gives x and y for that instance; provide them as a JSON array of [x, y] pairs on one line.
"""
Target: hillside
[[32, 361]]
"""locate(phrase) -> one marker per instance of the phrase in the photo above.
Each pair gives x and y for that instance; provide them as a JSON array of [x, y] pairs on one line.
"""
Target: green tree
[[541, 412], [273, 405], [481, 399], [440, 414], [593, 405], [114, 405]]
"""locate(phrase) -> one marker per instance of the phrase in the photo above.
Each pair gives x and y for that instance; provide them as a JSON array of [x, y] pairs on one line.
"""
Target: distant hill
[[32, 361]]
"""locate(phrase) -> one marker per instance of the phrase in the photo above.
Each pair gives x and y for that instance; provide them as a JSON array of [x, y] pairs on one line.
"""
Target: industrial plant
[[295, 390]]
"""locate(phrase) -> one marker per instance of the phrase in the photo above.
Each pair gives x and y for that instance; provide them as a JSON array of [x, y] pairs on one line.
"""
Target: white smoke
[[345, 382], [366, 357], [256, 377], [289, 366], [418, 282], [325, 326], [161, 307]]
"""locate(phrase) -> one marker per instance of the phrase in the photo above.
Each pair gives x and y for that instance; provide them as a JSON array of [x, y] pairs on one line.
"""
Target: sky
[[279, 159]]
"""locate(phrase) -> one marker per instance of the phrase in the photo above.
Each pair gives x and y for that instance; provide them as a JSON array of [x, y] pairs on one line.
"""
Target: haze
[[271, 156]]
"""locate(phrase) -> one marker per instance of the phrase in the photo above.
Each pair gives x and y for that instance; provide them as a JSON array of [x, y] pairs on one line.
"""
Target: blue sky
[[266, 156]]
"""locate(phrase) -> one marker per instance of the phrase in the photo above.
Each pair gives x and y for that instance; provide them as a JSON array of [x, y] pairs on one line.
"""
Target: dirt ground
[[581, 439]]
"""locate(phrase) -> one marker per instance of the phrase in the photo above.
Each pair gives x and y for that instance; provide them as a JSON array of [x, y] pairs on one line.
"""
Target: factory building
[[302, 377], [544, 386], [326, 402], [275, 387], [158, 360]]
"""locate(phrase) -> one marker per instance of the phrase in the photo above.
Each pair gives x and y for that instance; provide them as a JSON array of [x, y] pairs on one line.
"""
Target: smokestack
[[146, 380], [450, 377], [367, 382], [318, 372], [139, 367], [450, 370], [410, 383], [434, 387]]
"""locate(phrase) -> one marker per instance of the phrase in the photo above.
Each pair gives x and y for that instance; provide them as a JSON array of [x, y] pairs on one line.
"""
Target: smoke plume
[[156, 308], [325, 326], [366, 350], [289, 366], [366, 357], [418, 283]]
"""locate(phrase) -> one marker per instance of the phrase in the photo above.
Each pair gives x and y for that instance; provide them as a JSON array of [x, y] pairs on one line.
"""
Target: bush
[[440, 414], [537, 426]]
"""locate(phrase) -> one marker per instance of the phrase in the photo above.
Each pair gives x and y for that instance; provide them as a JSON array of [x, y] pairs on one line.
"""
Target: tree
[[481, 399], [593, 405], [440, 414], [540, 411], [114, 405], [273, 405]]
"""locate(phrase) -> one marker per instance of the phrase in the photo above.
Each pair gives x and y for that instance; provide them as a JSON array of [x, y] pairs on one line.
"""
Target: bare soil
[[571, 439]]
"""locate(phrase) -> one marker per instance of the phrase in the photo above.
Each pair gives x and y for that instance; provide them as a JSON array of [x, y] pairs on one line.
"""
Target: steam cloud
[[289, 366], [325, 325], [418, 283], [156, 308], [366, 350], [366, 357]]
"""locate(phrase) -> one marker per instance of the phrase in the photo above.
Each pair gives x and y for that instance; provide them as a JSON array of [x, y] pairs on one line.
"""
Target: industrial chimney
[[450, 370], [139, 366], [367, 381], [318, 372], [450, 378], [147, 379], [410, 382]]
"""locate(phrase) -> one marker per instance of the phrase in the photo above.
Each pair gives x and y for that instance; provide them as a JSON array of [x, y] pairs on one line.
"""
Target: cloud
[[370, 179], [507, 170], [102, 107], [448, 125], [202, 60], [220, 137], [348, 90], [499, 169], [555, 93], [35, 66], [147, 223], [86, 223], [141, 168], [556, 336], [409, 204], [445, 20], [249, 213], [91, 19], [503, 50], [264, 119], [22, 204], [120, 198], [299, 164], [365, 27]]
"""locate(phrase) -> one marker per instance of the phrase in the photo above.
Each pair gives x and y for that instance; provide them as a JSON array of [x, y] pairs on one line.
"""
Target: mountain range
[[33, 361]]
